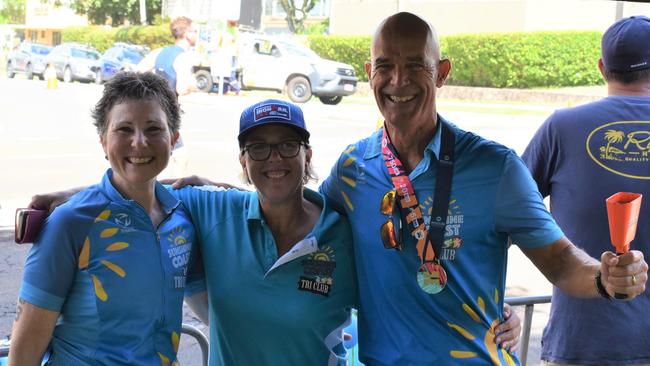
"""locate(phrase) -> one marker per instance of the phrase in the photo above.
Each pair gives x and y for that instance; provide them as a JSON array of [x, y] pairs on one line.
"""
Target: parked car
[[75, 61], [121, 56], [282, 65], [30, 58]]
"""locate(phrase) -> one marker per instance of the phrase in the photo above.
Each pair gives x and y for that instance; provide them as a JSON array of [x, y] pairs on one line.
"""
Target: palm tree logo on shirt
[[498, 356], [613, 137]]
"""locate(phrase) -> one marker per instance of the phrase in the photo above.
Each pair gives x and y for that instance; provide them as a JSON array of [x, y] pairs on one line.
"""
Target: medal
[[432, 277]]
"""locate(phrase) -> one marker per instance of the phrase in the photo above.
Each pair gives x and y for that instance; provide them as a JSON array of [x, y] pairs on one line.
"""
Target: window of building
[[33, 36], [56, 38]]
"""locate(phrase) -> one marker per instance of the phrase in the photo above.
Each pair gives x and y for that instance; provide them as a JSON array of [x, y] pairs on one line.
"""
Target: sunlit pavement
[[48, 142]]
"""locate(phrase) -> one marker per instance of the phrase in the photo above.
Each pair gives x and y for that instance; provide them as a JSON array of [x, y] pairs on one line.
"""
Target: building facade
[[484, 16]]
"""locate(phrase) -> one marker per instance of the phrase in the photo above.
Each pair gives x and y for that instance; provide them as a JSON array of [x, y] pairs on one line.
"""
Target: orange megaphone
[[623, 214]]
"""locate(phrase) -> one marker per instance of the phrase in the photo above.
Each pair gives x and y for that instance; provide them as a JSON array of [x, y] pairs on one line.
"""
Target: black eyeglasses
[[262, 151]]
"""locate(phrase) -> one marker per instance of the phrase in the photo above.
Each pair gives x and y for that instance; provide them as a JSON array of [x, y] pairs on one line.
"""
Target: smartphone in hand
[[28, 224]]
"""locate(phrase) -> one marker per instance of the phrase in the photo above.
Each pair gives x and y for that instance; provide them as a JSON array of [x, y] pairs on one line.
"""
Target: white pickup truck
[[284, 66]]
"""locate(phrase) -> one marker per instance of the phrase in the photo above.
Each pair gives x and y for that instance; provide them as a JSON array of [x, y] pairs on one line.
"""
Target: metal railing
[[529, 302], [201, 339], [188, 329]]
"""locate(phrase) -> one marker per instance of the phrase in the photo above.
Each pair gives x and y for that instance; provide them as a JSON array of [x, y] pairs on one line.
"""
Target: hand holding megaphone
[[625, 273]]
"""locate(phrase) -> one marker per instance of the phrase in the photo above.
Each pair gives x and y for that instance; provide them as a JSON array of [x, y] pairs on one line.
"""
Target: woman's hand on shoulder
[[508, 332], [50, 201]]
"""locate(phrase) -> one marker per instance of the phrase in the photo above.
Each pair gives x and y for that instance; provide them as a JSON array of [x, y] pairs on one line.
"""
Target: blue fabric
[[258, 313], [165, 64], [123, 303], [493, 196], [580, 157]]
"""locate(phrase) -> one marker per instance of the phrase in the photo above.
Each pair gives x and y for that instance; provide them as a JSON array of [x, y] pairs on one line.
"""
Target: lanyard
[[429, 242]]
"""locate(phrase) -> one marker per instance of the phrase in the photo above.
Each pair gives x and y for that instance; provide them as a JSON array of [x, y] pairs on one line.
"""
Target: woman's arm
[[31, 334], [199, 305]]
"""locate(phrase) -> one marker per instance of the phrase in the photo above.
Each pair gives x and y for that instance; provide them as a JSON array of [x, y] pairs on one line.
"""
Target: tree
[[119, 11], [613, 137], [12, 11], [297, 11]]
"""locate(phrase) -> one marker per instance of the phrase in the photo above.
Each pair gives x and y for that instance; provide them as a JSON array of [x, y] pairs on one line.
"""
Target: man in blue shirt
[[431, 277], [579, 157], [173, 62]]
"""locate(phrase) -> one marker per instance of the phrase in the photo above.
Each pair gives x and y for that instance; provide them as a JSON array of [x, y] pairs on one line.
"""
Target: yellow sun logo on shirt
[[427, 206], [488, 337], [178, 236], [348, 180], [84, 255], [326, 254]]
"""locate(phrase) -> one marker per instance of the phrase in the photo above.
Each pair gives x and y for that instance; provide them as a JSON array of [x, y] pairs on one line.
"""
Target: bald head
[[406, 25]]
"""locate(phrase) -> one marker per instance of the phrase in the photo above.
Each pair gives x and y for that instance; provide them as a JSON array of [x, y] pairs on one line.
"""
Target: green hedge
[[154, 36], [102, 38], [524, 60], [513, 60], [501, 60]]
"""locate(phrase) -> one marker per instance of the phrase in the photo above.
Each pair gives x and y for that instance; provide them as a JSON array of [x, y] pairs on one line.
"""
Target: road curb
[[566, 96]]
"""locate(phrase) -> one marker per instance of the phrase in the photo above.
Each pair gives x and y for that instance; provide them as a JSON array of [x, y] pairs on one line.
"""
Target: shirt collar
[[166, 199], [374, 145], [255, 213]]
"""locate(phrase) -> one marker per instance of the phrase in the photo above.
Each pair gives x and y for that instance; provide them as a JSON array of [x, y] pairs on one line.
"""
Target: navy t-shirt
[[579, 157]]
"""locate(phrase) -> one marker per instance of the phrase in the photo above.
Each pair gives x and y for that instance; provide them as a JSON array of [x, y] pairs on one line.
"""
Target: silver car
[[282, 65], [75, 61], [30, 58]]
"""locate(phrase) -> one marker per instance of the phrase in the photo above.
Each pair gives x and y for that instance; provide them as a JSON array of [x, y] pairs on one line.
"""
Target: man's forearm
[[50, 201], [576, 272], [567, 267]]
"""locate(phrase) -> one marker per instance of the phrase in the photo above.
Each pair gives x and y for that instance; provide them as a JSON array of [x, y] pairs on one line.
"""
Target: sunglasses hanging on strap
[[431, 275]]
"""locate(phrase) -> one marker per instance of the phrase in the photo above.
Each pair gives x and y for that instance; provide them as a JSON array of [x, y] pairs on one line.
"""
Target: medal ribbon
[[408, 201]]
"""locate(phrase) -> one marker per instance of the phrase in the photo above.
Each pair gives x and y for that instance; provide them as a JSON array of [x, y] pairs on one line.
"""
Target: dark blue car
[[121, 56]]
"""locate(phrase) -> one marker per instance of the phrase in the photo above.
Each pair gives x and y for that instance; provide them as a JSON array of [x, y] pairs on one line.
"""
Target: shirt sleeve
[[184, 76], [203, 203], [520, 211], [540, 156], [148, 63], [195, 280], [331, 190], [52, 262]]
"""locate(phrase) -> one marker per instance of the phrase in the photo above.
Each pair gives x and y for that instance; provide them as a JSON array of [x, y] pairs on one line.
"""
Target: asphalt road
[[47, 143]]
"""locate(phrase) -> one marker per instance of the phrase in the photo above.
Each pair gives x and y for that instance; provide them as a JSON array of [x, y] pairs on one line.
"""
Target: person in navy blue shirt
[[579, 157], [104, 282]]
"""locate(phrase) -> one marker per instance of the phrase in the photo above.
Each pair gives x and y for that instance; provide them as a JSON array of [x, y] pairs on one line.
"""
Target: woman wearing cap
[[106, 277], [278, 261]]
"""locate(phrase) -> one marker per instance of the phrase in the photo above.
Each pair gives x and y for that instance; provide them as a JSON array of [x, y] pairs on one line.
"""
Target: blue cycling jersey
[[117, 281]]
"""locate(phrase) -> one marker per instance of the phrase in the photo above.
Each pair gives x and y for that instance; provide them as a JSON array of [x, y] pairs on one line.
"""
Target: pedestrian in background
[[579, 157]]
